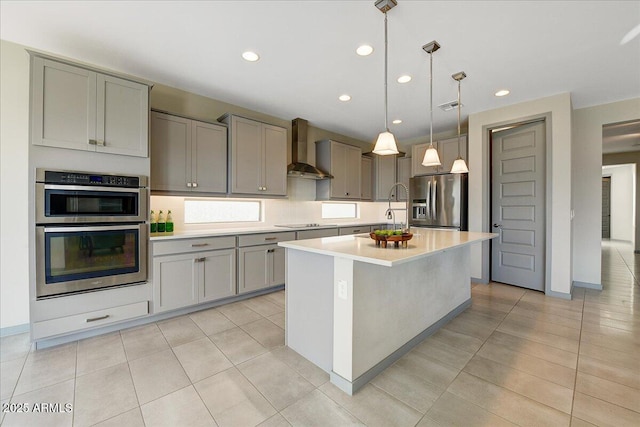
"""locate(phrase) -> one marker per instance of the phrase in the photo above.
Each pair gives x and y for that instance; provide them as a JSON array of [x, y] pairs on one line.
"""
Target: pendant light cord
[[459, 119], [431, 100], [386, 121]]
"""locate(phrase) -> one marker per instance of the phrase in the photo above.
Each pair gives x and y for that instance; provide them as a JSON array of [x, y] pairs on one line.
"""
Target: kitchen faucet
[[389, 213]]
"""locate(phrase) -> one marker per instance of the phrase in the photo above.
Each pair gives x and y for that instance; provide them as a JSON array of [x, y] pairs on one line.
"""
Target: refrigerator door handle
[[429, 200], [435, 200]]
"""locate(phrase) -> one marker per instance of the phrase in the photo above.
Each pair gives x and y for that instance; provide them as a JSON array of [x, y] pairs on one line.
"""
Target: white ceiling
[[307, 49]]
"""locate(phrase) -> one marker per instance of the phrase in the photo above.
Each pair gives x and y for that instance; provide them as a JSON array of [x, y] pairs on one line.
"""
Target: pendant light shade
[[431, 157], [386, 142], [459, 166]]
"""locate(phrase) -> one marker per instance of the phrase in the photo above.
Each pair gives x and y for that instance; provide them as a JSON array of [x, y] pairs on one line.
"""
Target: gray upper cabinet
[[187, 155], [384, 171], [258, 158], [447, 150], [403, 174], [76, 108], [344, 162], [366, 186]]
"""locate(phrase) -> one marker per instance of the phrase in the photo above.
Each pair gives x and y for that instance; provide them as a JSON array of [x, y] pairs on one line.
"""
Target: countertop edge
[[196, 234], [387, 263]]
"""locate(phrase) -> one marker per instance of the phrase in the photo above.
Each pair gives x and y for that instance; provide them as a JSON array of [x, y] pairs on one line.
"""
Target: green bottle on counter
[[153, 223], [169, 224], [161, 223]]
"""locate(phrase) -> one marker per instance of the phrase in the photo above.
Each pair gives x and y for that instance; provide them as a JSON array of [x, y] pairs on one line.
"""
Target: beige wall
[[587, 188], [14, 203], [557, 110]]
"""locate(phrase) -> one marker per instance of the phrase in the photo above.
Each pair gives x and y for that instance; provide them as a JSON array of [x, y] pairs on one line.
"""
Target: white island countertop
[[361, 247]]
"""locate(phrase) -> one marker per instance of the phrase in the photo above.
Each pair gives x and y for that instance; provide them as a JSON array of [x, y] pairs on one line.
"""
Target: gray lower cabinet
[[187, 155], [354, 230], [81, 109], [191, 271], [261, 260], [260, 267], [316, 233]]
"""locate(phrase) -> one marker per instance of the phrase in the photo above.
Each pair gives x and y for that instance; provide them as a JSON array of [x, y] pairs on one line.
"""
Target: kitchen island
[[354, 308]]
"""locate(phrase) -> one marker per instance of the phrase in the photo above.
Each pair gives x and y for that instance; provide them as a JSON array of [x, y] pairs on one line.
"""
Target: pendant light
[[431, 157], [459, 166], [386, 142]]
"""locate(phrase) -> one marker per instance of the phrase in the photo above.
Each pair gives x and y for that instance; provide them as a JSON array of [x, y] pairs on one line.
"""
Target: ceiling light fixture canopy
[[386, 142], [459, 166], [431, 157]]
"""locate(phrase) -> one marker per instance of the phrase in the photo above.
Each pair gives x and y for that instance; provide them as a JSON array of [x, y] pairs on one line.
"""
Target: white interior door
[[518, 206]]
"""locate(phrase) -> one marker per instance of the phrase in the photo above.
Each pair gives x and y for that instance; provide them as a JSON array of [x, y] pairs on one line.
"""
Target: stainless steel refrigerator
[[439, 201]]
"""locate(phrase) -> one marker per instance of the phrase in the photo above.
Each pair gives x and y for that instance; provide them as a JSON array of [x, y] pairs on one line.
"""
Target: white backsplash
[[298, 208]]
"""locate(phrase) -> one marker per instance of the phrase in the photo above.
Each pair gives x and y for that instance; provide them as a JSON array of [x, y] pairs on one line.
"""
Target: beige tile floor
[[515, 357]]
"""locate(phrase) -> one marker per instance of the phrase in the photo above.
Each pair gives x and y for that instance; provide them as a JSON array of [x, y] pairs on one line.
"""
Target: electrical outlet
[[342, 289]]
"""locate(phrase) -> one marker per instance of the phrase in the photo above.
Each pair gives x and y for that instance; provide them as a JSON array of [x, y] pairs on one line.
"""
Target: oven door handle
[[86, 188], [92, 228]]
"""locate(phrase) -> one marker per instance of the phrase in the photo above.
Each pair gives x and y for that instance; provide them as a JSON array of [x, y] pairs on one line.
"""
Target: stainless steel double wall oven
[[91, 231]]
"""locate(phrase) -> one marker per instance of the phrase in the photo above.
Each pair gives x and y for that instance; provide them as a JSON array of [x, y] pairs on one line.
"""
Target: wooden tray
[[396, 239]]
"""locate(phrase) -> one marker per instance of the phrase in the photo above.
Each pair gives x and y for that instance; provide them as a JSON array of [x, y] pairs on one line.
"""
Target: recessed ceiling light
[[364, 50], [250, 56], [404, 79], [502, 92], [396, 121], [344, 98]]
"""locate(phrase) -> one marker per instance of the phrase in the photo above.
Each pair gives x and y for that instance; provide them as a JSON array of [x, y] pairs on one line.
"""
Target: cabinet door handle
[[199, 260], [346, 194], [94, 319], [270, 238], [93, 142], [270, 250], [356, 231], [199, 245], [189, 184], [101, 143], [195, 184]]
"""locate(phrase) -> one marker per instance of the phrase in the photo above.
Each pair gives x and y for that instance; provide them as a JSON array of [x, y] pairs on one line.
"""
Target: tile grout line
[[474, 354], [575, 379]]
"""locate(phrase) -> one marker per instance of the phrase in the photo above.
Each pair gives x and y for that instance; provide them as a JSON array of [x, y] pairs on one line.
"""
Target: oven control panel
[[85, 178]]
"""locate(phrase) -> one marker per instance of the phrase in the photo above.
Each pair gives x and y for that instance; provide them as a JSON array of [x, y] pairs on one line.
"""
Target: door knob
[[497, 225]]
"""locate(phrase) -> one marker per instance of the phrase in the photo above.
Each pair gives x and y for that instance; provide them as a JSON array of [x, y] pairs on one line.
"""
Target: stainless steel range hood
[[299, 168]]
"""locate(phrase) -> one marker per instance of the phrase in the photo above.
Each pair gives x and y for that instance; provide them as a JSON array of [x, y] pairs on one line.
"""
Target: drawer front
[[193, 245], [355, 230], [314, 234], [79, 322], [265, 238]]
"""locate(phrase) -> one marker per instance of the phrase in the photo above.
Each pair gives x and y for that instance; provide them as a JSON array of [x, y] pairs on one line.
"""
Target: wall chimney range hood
[[299, 168]]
